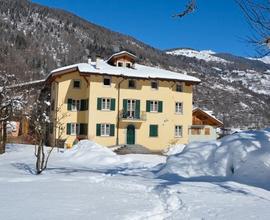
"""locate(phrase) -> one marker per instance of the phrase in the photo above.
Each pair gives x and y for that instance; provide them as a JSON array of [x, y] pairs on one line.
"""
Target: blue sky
[[218, 25]]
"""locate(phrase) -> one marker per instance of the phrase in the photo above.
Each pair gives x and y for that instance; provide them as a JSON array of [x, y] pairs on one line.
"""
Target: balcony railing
[[132, 116]]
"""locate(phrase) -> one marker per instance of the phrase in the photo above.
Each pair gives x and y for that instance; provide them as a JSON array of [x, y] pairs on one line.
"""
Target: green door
[[131, 134]]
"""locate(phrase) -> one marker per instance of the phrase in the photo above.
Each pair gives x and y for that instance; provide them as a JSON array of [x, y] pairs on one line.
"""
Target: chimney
[[89, 60], [98, 60]]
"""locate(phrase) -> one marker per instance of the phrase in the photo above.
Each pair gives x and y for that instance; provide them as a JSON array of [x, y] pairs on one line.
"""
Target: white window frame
[[155, 81], [178, 131], [76, 80], [105, 130], [106, 104], [131, 108], [75, 105], [73, 129], [109, 78], [182, 87], [179, 108], [153, 106]]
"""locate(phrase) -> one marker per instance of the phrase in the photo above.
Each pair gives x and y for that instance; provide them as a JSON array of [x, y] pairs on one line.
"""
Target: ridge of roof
[[139, 71]]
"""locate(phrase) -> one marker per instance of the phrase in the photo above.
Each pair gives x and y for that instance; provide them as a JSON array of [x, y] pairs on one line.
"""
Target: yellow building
[[120, 102]]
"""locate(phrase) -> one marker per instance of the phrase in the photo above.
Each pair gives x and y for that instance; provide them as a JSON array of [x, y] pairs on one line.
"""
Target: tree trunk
[[4, 138]]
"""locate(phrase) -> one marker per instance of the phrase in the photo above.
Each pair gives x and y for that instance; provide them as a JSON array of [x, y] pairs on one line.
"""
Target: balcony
[[127, 116]]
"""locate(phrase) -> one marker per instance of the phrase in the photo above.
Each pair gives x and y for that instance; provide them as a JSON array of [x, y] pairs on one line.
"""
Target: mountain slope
[[35, 39]]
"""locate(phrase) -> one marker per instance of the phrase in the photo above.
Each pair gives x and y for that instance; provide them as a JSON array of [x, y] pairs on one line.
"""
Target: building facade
[[119, 102]]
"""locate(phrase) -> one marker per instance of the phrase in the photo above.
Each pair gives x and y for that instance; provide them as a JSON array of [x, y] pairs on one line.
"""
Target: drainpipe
[[118, 112]]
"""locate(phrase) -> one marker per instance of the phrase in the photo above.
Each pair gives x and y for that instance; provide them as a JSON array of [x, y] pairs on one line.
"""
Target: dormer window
[[122, 59]]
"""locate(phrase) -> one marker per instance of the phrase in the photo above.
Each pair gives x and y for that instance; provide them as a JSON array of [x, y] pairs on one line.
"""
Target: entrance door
[[131, 134]]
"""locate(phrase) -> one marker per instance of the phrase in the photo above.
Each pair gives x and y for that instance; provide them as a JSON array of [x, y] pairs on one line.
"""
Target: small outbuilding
[[204, 126]]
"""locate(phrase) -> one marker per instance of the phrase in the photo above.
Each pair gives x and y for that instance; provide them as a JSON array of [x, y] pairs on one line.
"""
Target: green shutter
[[125, 105], [112, 127], [83, 129], [69, 104], [153, 131], [83, 105], [160, 106], [98, 130], [99, 100], [68, 128], [112, 104], [148, 106], [86, 106], [137, 109]]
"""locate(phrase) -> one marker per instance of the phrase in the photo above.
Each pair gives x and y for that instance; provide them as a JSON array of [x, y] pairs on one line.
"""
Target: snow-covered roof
[[208, 113], [139, 71]]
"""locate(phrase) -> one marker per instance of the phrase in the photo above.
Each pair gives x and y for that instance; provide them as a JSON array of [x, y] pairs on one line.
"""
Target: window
[[179, 107], [131, 84], [179, 87], [106, 104], [105, 130], [77, 129], [153, 131], [77, 105], [128, 65], [76, 84], [154, 84], [178, 131], [195, 131], [73, 129], [154, 106], [207, 131], [120, 64], [107, 81]]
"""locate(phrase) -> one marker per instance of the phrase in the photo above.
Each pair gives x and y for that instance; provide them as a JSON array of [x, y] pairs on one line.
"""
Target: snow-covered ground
[[91, 182]]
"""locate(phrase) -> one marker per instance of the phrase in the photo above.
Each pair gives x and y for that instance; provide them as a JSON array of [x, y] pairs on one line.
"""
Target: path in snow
[[72, 190]]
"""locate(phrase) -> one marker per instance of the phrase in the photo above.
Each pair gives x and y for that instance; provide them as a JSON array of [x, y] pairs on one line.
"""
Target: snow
[[243, 157], [206, 55], [139, 71], [92, 182], [265, 59], [174, 149]]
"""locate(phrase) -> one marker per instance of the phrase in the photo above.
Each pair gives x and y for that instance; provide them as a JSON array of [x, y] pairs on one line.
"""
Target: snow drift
[[242, 157], [89, 153]]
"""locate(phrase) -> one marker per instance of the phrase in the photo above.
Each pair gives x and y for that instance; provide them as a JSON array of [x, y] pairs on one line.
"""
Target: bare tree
[[190, 7], [9, 103], [258, 16], [42, 122]]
